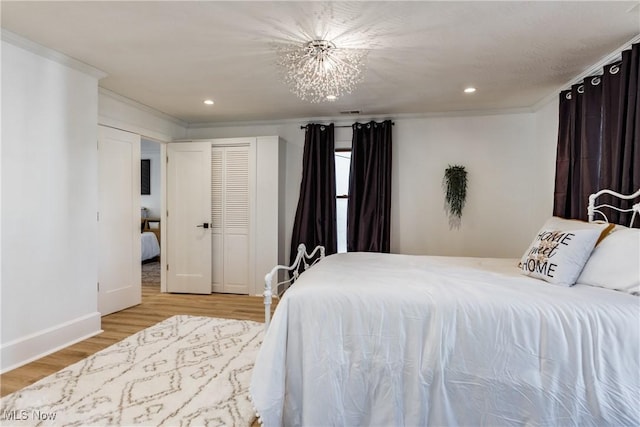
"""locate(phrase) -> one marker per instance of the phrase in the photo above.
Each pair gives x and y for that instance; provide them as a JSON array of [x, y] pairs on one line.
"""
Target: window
[[343, 166]]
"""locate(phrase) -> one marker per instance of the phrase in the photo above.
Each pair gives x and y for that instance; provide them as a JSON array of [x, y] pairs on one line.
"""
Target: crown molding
[[51, 54], [594, 69], [142, 107], [342, 120]]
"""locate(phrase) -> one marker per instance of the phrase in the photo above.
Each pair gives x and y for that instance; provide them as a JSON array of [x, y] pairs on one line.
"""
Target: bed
[[400, 340], [150, 248]]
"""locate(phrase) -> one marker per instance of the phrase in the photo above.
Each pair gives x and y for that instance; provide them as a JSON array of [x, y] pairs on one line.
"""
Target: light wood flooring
[[155, 307]]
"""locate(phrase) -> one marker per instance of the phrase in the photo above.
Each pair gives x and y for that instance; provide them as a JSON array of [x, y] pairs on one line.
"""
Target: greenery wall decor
[[455, 186]]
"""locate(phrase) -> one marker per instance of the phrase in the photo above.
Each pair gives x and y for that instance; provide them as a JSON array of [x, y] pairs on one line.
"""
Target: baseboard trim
[[42, 343]]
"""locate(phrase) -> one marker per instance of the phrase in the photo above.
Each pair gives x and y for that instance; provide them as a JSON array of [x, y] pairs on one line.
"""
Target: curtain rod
[[341, 126]]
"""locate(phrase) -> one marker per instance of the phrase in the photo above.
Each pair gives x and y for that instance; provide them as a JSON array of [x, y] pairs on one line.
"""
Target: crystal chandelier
[[319, 71]]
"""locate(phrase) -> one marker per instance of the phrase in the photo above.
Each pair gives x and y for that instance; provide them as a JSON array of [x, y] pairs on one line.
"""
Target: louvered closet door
[[230, 213]]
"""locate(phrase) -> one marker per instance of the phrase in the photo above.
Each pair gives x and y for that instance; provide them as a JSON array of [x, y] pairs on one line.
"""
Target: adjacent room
[[320, 213]]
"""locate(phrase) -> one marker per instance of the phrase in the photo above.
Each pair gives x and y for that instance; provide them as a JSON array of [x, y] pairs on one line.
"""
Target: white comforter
[[397, 340], [150, 248]]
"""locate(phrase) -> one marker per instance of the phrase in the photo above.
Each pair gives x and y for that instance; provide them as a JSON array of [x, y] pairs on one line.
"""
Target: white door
[[119, 272], [230, 218], [188, 244]]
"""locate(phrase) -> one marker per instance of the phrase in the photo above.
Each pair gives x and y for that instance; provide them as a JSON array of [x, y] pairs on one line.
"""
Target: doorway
[[151, 202]]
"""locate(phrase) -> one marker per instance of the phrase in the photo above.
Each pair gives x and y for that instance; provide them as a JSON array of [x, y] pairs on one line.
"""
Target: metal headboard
[[302, 259], [594, 209]]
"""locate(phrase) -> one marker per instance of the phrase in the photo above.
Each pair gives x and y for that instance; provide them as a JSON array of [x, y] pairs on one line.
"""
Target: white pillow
[[615, 262], [557, 256], [560, 250]]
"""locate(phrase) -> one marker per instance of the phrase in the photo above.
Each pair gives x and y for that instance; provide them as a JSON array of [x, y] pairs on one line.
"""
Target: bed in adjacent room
[[380, 339], [150, 246]]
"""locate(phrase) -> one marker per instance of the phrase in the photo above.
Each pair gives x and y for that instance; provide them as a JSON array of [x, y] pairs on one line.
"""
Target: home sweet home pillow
[[558, 255]]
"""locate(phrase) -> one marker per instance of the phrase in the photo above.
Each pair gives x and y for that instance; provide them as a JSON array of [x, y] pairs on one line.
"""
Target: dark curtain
[[599, 138], [315, 221], [620, 166], [369, 206]]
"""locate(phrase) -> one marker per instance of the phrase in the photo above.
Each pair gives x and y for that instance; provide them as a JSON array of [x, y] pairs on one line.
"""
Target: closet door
[[188, 243], [217, 222], [231, 194]]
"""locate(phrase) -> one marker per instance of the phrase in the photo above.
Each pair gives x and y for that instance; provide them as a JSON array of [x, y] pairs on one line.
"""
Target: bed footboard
[[304, 260]]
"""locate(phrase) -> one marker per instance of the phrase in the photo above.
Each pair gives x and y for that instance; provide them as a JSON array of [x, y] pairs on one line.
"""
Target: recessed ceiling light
[[208, 101], [331, 97], [470, 90]]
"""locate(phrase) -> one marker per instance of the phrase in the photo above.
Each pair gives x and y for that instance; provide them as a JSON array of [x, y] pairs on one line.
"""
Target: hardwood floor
[[155, 307]]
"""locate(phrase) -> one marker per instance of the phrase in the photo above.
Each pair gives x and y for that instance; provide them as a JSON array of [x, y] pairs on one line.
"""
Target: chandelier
[[318, 71]]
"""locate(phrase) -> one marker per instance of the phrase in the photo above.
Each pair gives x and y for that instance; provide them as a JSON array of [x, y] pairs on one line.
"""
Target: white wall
[[497, 152], [546, 143], [509, 157], [49, 204], [269, 246], [151, 150]]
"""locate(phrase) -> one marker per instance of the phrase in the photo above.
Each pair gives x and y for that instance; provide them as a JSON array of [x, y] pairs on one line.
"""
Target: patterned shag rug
[[183, 371]]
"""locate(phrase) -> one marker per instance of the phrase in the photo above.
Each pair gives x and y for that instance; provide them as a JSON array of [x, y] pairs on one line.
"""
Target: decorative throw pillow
[[557, 255], [615, 263], [557, 223], [576, 224]]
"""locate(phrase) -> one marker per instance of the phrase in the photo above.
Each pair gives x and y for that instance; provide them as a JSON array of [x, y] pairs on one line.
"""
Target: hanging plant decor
[[455, 186]]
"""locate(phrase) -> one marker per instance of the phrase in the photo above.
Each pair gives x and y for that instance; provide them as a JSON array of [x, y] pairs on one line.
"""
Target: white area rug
[[183, 371]]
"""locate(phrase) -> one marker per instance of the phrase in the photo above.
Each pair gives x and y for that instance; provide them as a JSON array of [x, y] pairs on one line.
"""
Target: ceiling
[[172, 55]]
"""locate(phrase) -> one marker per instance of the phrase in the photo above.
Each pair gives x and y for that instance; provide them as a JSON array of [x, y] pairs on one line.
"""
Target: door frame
[[163, 208], [162, 140], [163, 216]]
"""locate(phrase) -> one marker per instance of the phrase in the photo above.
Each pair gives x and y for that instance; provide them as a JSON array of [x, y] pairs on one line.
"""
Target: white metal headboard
[[302, 258], [594, 209]]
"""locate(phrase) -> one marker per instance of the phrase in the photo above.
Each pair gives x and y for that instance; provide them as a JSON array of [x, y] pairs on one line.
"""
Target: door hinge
[[98, 283], [167, 267], [167, 159], [98, 216]]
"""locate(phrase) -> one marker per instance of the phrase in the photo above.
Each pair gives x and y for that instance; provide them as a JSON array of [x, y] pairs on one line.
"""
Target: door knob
[[205, 225]]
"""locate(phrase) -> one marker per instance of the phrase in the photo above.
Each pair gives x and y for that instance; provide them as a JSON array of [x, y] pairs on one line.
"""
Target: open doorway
[[150, 213]]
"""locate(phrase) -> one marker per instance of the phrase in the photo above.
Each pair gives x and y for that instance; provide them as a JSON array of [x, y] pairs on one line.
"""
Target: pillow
[[615, 263], [560, 250], [576, 224]]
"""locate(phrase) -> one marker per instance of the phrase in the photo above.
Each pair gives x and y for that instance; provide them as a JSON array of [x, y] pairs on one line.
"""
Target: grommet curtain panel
[[315, 220], [369, 207], [599, 138]]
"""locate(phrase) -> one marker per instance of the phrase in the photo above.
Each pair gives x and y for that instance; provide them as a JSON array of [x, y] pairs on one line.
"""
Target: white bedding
[[150, 245], [398, 340]]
